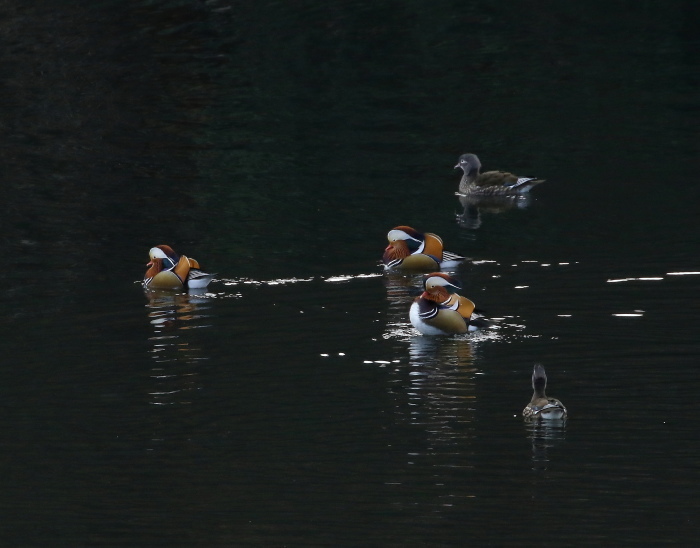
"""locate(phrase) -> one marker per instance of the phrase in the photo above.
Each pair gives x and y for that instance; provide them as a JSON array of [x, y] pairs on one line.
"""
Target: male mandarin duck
[[168, 270], [409, 249], [540, 406], [441, 311], [491, 183]]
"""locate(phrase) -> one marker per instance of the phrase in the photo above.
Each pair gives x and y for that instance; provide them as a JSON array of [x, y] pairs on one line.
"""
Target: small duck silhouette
[[168, 270], [441, 311], [411, 250], [491, 183], [540, 406]]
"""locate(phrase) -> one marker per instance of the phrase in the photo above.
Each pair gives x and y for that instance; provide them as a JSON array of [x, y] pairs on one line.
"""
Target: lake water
[[293, 404]]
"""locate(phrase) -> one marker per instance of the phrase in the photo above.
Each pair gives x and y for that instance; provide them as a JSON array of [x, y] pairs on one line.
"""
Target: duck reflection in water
[[441, 388], [174, 316], [545, 419], [401, 289], [432, 352], [544, 436], [474, 206], [434, 402]]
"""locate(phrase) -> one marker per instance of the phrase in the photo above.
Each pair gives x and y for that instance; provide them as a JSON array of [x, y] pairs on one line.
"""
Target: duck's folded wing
[[182, 268], [496, 178], [196, 279], [450, 256]]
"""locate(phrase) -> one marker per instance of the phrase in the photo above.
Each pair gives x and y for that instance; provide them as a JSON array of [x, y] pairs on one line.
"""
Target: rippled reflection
[[175, 358], [435, 404], [441, 392], [474, 206], [544, 435], [401, 289]]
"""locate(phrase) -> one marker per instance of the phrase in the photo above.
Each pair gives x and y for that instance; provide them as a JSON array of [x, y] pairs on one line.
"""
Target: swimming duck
[[540, 406], [409, 249], [491, 183], [441, 311], [168, 270]]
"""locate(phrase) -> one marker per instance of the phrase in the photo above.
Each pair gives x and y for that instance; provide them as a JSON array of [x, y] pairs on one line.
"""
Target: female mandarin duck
[[491, 183], [168, 270], [441, 311], [540, 406], [409, 249]]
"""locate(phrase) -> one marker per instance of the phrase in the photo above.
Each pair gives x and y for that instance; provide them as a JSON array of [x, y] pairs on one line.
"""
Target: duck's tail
[[524, 184]]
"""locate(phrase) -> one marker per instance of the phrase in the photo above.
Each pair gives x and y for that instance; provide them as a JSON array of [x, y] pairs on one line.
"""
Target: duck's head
[[405, 234], [403, 240], [162, 255], [438, 286], [441, 280], [469, 163], [539, 379]]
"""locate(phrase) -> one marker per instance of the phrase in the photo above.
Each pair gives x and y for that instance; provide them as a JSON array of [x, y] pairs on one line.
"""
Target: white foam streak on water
[[646, 279], [653, 278], [249, 281], [287, 281], [346, 277]]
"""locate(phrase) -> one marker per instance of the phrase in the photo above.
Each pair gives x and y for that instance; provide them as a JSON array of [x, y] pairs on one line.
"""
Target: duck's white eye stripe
[[157, 253]]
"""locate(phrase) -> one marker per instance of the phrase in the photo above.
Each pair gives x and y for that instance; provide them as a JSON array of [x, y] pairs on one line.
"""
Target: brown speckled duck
[[540, 406], [491, 183]]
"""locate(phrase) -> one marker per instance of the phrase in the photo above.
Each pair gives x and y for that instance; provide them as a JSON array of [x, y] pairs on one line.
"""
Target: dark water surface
[[293, 404]]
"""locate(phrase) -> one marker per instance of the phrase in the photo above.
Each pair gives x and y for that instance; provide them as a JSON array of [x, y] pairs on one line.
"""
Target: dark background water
[[293, 405]]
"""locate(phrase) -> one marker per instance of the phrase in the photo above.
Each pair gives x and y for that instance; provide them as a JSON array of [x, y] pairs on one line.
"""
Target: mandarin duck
[[491, 183], [540, 406], [409, 249], [441, 311], [168, 270]]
